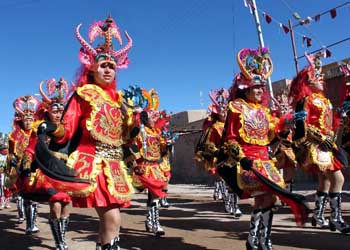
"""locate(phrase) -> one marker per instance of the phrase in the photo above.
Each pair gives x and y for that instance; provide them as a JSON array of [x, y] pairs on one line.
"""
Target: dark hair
[[241, 93], [144, 118]]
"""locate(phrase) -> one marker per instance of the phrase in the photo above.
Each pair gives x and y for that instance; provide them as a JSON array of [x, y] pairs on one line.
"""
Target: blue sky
[[181, 48]]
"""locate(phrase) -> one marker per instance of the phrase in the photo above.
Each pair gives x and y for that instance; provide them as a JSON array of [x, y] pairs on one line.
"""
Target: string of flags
[[306, 21]]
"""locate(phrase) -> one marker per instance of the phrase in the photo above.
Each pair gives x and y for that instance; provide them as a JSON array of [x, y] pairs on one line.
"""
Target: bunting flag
[[267, 17], [285, 28], [296, 16], [333, 13], [308, 41], [317, 18]]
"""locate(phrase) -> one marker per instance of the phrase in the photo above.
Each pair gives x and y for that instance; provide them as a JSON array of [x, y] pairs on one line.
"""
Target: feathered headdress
[[315, 67], [300, 85], [108, 29], [57, 93], [255, 65], [26, 107], [219, 98]]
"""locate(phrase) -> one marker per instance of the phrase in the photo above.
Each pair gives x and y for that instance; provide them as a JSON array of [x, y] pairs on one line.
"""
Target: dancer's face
[[255, 93], [55, 115], [27, 123], [105, 73]]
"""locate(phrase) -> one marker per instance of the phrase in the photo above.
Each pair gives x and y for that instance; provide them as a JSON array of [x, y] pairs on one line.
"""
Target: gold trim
[[98, 99], [238, 106]]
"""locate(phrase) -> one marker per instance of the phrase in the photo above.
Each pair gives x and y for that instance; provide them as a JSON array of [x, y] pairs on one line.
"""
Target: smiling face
[[105, 73], [255, 94]]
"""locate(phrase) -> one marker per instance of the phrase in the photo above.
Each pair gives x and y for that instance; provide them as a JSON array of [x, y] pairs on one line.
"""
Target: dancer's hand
[[246, 164]]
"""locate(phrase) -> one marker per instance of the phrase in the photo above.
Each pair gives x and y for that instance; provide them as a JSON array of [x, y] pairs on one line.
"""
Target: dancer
[[148, 173], [248, 131], [26, 108], [95, 122], [315, 137], [210, 140], [38, 185], [5, 192]]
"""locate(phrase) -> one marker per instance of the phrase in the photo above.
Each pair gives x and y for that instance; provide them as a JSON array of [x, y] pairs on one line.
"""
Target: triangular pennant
[[328, 53], [285, 28], [317, 18], [268, 18], [308, 41], [333, 13]]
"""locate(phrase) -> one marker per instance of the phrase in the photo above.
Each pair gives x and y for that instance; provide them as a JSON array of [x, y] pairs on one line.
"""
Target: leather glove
[[46, 128], [13, 162], [327, 143], [138, 170], [246, 164]]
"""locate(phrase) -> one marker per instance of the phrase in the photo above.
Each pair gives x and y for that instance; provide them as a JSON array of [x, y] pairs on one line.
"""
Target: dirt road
[[194, 222]]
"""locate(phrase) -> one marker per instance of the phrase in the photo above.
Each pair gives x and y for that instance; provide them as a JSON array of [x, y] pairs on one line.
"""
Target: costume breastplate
[[324, 110], [21, 141], [254, 122], [106, 120], [153, 146]]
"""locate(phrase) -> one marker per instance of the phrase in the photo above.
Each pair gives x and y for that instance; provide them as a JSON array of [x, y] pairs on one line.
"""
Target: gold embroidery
[[256, 122], [106, 119]]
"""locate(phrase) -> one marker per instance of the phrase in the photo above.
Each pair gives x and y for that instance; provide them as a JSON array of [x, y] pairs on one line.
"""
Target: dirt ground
[[194, 222]]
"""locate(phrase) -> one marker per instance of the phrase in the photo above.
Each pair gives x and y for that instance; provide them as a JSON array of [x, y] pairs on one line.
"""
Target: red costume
[[249, 129], [96, 113], [39, 184]]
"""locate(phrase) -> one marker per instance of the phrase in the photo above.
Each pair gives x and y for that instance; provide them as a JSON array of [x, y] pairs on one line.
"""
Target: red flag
[[328, 53], [268, 18], [285, 28], [333, 13], [308, 41]]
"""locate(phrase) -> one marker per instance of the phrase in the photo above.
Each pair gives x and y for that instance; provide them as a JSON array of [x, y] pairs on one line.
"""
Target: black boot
[[337, 221], [20, 209], [149, 220], [55, 225], [64, 229], [28, 212], [236, 211], [35, 228], [265, 229], [98, 246], [157, 229], [253, 240], [164, 201], [320, 206], [114, 245], [216, 195]]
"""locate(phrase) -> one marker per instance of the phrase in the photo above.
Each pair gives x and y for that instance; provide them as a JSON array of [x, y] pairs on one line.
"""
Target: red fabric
[[149, 162], [100, 197], [7, 192], [333, 13], [76, 116], [42, 184], [285, 28], [268, 18]]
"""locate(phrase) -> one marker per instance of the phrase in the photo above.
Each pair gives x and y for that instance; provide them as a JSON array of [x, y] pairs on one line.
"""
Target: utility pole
[[261, 39], [295, 55]]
